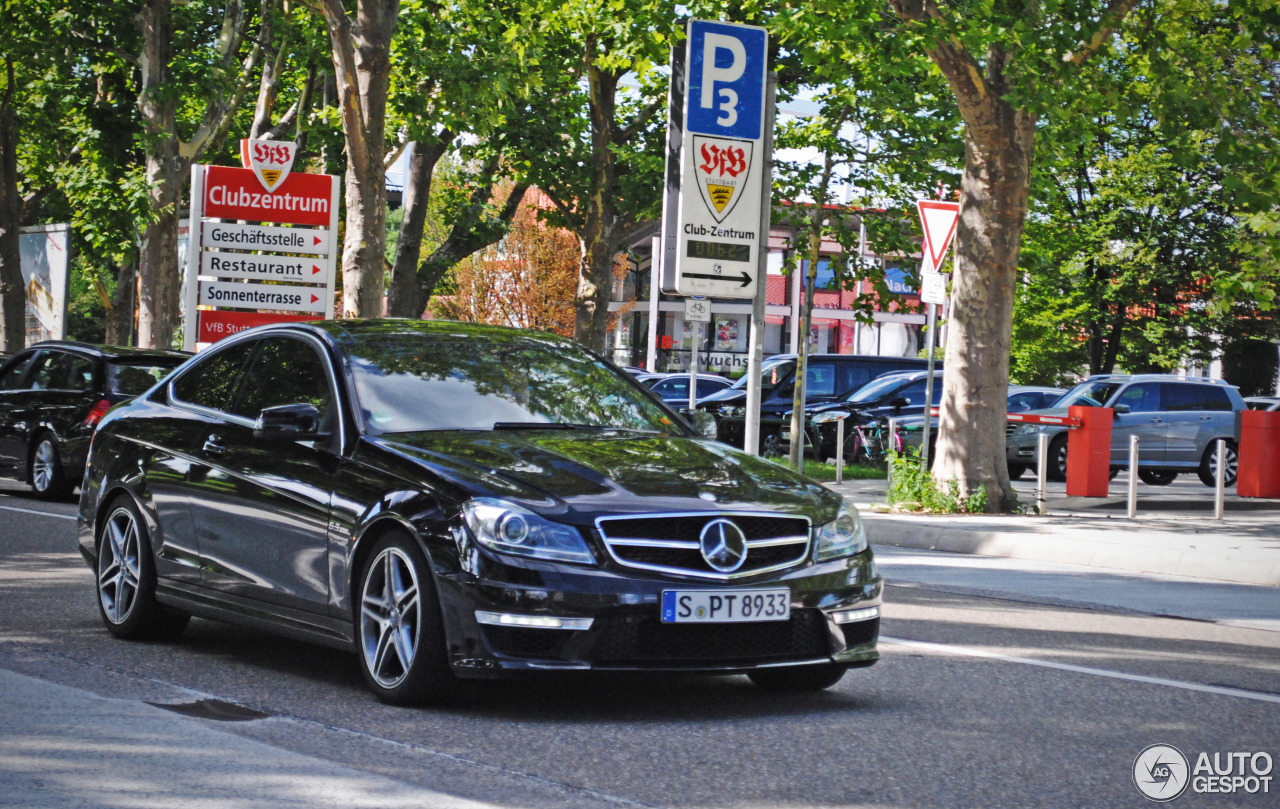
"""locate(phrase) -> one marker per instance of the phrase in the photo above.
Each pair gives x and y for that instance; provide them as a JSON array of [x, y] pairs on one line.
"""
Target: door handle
[[213, 446], [1157, 421]]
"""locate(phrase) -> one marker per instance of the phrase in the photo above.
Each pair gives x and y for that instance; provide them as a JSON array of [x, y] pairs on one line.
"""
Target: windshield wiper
[[563, 425]]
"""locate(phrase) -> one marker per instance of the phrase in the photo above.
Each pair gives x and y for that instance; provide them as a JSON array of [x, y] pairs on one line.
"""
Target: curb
[[1032, 539]]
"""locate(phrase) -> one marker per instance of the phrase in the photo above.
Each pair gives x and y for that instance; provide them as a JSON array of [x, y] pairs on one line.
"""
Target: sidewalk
[[1174, 533]]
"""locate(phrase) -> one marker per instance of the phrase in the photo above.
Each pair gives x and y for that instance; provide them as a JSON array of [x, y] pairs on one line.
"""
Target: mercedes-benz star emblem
[[723, 545]]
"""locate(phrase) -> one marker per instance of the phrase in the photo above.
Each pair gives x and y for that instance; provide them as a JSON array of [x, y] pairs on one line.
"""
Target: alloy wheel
[[43, 465], [1231, 463], [390, 617], [118, 566]]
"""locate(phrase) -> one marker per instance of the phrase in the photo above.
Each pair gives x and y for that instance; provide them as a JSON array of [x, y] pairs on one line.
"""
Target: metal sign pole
[[693, 367], [755, 357], [928, 388]]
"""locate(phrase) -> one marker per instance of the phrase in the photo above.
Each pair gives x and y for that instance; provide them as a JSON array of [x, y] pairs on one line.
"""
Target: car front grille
[[641, 638], [668, 543], [1010, 427]]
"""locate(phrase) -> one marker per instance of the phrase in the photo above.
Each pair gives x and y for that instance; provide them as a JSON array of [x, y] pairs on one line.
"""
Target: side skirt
[[308, 627]]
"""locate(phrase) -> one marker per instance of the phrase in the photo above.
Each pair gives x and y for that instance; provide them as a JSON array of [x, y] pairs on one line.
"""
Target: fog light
[[850, 616], [532, 621]]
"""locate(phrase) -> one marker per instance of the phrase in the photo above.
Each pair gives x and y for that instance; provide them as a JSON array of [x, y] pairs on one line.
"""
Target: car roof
[[110, 351], [1200, 380]]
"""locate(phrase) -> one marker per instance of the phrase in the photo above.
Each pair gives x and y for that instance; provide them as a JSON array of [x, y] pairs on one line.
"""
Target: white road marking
[[41, 513], [969, 651]]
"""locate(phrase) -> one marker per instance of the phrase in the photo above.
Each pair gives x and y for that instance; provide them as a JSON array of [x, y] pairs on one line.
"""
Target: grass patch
[[826, 472]]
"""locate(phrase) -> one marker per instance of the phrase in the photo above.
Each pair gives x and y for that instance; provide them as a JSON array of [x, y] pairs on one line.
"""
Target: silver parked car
[[1177, 421]]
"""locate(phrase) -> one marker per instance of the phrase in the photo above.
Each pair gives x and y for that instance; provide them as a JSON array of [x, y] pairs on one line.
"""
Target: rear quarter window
[[1195, 397], [133, 378]]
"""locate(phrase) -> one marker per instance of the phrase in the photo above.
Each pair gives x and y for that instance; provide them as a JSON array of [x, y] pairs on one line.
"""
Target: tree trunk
[[405, 298], [595, 277], [362, 68], [159, 297], [13, 292], [120, 312], [993, 206]]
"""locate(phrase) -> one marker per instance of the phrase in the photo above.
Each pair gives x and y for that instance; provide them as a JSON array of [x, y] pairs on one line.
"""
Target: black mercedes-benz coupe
[[452, 500]]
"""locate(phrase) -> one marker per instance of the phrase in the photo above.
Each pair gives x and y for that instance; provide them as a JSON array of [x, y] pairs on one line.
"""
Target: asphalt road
[[994, 691]]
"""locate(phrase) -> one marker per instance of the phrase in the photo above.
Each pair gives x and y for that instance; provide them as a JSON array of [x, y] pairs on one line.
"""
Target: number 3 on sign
[[697, 310]]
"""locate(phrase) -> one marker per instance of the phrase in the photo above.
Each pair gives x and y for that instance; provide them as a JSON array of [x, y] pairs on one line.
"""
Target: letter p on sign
[[726, 79]]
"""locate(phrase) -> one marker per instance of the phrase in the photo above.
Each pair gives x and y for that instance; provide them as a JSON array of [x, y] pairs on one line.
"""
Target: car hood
[[724, 397], [593, 472]]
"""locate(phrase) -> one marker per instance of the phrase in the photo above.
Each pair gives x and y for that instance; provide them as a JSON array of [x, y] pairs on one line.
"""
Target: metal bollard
[[1133, 476], [1042, 469], [893, 431], [1220, 480], [840, 451]]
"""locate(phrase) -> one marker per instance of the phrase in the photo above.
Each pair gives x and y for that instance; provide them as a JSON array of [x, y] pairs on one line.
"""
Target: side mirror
[[900, 402], [293, 422], [702, 422], [1120, 409]]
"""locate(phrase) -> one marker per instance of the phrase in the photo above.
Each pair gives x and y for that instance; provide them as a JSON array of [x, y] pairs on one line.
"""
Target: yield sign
[[939, 220]]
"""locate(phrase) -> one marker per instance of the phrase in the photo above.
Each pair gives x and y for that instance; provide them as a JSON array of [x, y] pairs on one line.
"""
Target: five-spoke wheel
[[399, 626], [127, 581], [47, 478]]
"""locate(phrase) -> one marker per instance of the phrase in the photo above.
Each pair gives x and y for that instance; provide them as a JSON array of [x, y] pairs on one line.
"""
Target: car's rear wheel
[[127, 579], [399, 626], [798, 678], [771, 446], [47, 478], [1058, 458], [1156, 477], [1208, 470]]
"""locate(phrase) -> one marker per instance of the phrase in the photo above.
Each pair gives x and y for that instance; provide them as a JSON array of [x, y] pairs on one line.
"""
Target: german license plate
[[725, 606]]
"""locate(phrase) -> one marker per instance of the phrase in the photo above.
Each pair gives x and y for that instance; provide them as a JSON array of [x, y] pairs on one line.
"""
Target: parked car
[[674, 388], [452, 500], [1177, 421], [829, 377], [53, 394], [1021, 399], [1262, 402], [895, 394]]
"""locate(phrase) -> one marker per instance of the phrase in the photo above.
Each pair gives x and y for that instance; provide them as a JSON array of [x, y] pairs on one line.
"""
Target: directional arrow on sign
[[746, 279], [315, 269]]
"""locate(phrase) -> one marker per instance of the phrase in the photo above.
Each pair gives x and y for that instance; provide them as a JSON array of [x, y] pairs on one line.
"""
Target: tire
[[399, 629], [46, 476], [1156, 477], [126, 579], [798, 678], [1209, 464], [1111, 475], [1017, 470], [771, 446], [1058, 458]]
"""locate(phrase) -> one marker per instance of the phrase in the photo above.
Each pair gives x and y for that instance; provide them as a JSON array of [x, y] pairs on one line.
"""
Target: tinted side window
[[1022, 402], [706, 387], [820, 380], [285, 371], [15, 377], [915, 392], [79, 373], [212, 382], [1141, 398], [1195, 397]]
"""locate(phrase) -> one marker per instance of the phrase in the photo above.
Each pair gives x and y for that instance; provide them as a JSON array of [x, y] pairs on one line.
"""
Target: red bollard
[[1259, 474], [1089, 452]]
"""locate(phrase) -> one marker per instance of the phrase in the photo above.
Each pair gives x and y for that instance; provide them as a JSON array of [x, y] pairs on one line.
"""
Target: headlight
[[732, 412], [1026, 429], [829, 415], [507, 528], [843, 536]]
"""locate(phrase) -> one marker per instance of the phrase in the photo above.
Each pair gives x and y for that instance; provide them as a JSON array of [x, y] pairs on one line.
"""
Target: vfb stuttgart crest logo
[[721, 166], [270, 160]]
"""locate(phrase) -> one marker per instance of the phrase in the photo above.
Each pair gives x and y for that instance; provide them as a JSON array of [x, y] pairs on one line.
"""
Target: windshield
[[416, 382], [132, 377], [875, 389], [1088, 394], [771, 370]]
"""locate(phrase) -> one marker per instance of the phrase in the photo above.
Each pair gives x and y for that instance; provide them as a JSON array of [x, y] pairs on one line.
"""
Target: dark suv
[[1177, 420], [896, 394], [53, 394], [829, 378]]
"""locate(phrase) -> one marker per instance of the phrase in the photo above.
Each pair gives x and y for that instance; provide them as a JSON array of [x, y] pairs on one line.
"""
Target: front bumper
[[625, 631], [1021, 448]]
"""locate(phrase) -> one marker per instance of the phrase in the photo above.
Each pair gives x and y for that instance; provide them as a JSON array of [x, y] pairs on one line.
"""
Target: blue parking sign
[[726, 79]]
